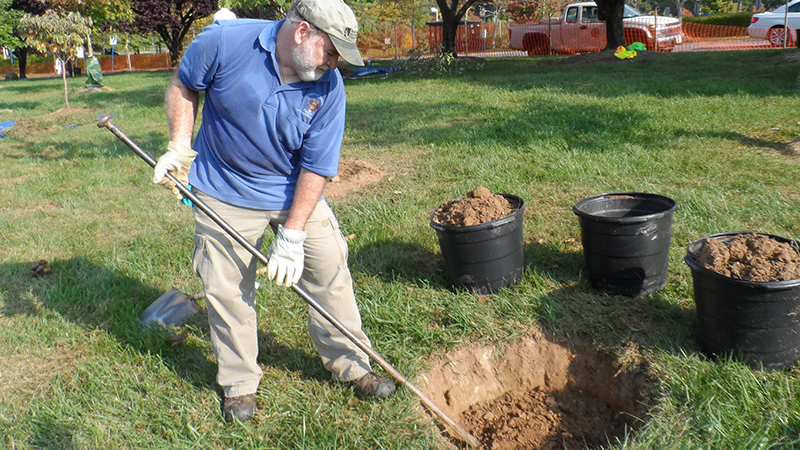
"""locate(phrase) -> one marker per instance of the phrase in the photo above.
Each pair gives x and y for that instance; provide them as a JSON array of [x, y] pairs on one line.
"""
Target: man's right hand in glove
[[177, 161]]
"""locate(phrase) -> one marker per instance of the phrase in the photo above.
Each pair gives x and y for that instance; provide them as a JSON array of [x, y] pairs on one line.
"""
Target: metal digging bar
[[460, 432]]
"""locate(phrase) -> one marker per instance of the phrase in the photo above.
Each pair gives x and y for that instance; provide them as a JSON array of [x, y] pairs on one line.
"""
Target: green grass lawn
[[710, 130]]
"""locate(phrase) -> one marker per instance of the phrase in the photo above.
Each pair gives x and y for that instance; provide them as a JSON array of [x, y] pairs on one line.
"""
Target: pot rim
[[694, 247], [481, 226], [670, 203]]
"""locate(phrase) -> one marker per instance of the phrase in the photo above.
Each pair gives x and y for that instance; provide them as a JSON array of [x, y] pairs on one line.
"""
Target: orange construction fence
[[120, 63], [482, 39]]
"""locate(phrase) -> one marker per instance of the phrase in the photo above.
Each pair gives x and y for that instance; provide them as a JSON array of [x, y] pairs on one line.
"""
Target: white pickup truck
[[580, 31]]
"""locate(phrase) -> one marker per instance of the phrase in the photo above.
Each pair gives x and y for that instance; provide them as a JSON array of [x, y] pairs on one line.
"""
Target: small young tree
[[60, 36]]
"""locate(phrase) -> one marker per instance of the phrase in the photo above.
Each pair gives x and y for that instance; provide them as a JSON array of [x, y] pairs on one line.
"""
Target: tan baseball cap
[[336, 19]]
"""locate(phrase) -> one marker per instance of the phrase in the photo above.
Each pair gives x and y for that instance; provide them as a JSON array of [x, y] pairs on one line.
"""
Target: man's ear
[[302, 32]]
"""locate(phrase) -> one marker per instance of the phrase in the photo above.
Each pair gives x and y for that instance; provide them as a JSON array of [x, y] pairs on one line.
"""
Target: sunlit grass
[[78, 371]]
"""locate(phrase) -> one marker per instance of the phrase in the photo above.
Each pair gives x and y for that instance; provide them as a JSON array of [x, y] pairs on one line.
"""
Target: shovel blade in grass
[[172, 308]]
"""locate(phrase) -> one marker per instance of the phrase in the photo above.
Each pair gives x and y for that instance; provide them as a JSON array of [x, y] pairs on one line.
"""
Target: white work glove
[[286, 256], [178, 161]]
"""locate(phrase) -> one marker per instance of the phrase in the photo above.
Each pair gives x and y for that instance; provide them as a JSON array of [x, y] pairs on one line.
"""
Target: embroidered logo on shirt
[[312, 105]]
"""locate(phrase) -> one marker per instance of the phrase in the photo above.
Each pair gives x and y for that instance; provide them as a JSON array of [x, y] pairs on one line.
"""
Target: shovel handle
[[105, 122], [461, 432]]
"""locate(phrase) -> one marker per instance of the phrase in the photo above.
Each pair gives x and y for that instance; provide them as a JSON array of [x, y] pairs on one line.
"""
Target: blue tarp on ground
[[4, 125], [360, 72]]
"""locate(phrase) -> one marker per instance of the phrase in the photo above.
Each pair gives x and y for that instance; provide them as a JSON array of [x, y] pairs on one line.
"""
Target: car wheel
[[536, 44], [775, 36]]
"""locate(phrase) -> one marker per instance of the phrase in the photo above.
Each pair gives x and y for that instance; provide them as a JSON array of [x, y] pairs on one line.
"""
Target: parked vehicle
[[579, 30], [770, 25]]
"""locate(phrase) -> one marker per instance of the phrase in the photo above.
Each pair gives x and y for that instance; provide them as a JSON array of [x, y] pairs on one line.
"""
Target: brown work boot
[[241, 408], [371, 385]]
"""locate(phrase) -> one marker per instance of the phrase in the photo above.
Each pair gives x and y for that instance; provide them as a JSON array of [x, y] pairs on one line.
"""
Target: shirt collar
[[268, 37]]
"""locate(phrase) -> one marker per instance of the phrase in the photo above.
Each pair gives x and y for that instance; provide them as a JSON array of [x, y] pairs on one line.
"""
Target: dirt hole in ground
[[538, 395]]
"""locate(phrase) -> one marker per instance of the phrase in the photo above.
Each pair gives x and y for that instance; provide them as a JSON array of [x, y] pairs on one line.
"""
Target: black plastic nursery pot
[[487, 257], [757, 322], [626, 238]]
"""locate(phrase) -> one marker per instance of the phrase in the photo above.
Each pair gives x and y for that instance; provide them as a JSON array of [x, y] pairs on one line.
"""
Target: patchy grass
[[709, 130]]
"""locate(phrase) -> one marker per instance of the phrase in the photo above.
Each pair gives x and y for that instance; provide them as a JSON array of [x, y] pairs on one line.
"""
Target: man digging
[[270, 137]]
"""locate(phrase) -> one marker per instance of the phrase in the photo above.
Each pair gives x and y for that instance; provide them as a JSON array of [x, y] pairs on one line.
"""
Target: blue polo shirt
[[255, 134]]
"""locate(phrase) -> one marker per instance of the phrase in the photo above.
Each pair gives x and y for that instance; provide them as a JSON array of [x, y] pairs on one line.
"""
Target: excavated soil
[[538, 395], [751, 257], [478, 206], [353, 176]]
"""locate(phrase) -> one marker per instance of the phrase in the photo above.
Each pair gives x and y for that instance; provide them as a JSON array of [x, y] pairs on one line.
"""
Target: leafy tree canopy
[[258, 9], [9, 19]]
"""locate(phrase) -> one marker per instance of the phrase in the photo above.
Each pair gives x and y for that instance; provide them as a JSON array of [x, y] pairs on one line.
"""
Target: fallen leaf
[[176, 339]]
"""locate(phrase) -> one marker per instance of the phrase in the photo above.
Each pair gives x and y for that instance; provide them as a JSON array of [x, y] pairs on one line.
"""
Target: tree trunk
[[451, 16], [128, 50], [22, 59], [449, 32], [612, 11], [679, 4], [66, 86], [173, 39]]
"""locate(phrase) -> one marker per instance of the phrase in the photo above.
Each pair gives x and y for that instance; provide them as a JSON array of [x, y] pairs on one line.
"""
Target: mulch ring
[[603, 57]]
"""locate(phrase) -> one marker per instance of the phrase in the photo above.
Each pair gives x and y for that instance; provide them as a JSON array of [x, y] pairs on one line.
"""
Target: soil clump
[[750, 257], [477, 207]]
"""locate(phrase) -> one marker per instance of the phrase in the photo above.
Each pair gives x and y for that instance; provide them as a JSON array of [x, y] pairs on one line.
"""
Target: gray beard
[[306, 70]]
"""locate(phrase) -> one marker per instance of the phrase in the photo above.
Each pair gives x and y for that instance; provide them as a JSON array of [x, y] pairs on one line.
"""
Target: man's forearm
[[181, 104], [306, 196]]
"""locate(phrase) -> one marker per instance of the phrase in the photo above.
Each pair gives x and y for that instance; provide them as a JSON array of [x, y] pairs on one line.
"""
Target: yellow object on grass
[[624, 53]]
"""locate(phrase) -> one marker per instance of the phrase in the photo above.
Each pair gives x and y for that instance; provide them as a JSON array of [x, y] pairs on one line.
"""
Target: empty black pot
[[755, 321], [487, 257], [626, 238]]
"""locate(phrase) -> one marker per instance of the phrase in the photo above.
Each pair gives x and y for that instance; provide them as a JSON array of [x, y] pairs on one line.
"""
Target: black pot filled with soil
[[626, 238], [747, 292], [480, 236]]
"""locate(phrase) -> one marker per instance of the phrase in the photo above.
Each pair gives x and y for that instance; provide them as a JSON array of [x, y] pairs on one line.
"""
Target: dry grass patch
[[26, 371]]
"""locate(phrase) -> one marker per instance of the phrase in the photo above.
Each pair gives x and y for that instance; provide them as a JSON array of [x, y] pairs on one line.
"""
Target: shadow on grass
[[650, 321], [95, 297], [392, 261]]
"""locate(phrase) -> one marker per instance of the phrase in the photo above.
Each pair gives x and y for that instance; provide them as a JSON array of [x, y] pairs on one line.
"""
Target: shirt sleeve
[[201, 60]]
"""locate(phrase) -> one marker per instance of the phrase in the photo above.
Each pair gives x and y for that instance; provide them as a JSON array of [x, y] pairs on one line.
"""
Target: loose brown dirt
[[478, 206], [353, 176], [538, 395], [751, 257]]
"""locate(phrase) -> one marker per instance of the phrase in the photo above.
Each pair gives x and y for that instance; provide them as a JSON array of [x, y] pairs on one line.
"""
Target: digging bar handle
[[461, 432]]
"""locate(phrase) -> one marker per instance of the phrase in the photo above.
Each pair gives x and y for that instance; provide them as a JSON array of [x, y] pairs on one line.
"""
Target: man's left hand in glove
[[286, 256]]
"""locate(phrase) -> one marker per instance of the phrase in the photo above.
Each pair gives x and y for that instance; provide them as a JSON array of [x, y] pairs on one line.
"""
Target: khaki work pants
[[228, 272]]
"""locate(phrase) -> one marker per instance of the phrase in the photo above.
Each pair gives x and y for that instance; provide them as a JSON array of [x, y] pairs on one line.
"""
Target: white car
[[770, 25]]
